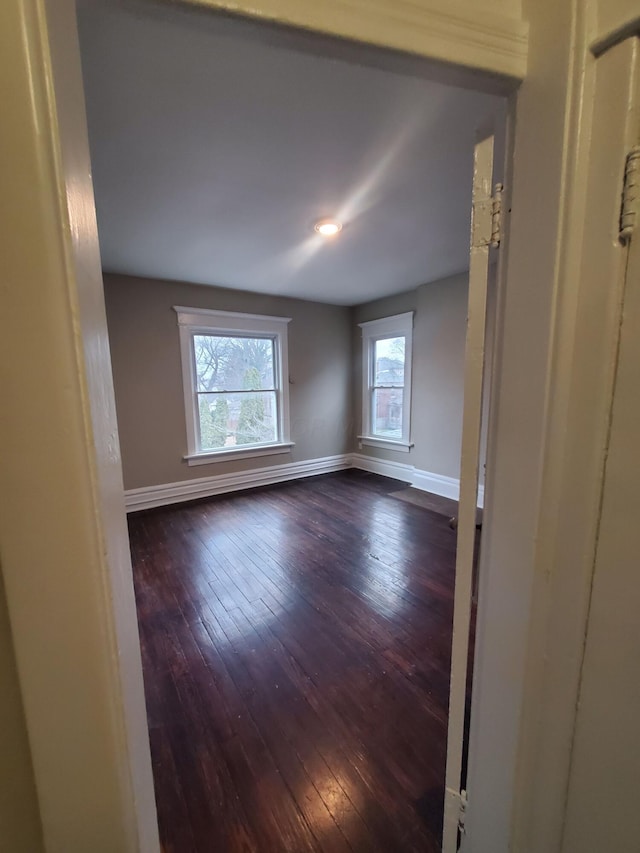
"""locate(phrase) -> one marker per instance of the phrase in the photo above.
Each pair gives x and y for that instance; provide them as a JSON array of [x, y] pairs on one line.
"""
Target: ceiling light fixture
[[327, 227]]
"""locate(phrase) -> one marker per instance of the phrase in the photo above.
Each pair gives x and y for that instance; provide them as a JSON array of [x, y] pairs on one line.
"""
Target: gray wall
[[325, 360], [20, 830], [438, 386], [438, 372], [147, 374]]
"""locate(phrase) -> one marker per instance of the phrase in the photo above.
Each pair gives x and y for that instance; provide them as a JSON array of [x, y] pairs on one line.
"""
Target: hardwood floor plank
[[352, 752], [296, 645]]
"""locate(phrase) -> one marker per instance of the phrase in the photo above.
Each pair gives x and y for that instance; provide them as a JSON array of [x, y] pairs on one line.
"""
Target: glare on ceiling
[[328, 227]]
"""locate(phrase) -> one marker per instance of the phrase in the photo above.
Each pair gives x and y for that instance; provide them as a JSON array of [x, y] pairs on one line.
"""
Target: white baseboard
[[426, 481], [395, 470], [438, 484], [204, 487]]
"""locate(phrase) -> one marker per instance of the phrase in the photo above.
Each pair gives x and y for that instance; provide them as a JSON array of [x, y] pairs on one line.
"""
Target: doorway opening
[[295, 639]]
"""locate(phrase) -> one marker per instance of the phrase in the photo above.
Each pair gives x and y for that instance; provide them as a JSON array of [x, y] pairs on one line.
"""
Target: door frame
[[89, 726], [55, 241]]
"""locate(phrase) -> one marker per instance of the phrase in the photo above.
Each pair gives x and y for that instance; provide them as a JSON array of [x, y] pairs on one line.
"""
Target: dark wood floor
[[296, 644]]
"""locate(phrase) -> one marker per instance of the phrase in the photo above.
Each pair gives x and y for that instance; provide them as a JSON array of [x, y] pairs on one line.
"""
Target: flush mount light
[[327, 227]]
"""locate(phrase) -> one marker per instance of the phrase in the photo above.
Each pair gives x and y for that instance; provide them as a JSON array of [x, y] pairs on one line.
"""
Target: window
[[386, 374], [236, 384]]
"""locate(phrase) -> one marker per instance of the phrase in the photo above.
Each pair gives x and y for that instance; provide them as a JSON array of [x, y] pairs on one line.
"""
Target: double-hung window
[[386, 373], [235, 376]]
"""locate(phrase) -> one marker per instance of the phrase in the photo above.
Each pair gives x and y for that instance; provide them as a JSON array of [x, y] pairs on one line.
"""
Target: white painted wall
[[20, 830]]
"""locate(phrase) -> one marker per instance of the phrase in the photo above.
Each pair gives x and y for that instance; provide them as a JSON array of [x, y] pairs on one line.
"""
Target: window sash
[[373, 388], [372, 341], [246, 337], [273, 389], [272, 419], [373, 412]]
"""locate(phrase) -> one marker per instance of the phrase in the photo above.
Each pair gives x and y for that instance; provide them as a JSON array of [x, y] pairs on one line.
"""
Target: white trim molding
[[426, 481], [438, 484], [238, 453], [205, 321], [376, 332], [467, 34], [149, 497], [205, 487], [234, 321], [395, 470], [385, 443]]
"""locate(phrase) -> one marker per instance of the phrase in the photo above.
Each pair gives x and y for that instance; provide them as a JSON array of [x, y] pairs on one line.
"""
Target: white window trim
[[387, 327], [193, 321]]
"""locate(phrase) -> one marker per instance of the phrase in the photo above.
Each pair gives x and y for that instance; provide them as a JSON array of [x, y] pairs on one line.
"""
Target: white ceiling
[[216, 144]]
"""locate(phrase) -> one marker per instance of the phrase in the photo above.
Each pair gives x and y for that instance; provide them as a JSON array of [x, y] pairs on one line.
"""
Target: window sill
[[386, 443], [214, 456]]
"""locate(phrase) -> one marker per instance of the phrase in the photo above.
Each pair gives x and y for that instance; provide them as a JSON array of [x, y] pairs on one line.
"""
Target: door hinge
[[630, 195], [455, 813], [496, 216], [463, 811], [486, 228]]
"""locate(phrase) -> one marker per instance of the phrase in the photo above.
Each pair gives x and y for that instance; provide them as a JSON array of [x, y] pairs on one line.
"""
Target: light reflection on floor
[[232, 575], [384, 576]]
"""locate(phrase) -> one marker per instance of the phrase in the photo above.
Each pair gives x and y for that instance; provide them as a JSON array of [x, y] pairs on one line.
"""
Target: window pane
[[232, 420], [233, 364], [388, 361], [387, 412]]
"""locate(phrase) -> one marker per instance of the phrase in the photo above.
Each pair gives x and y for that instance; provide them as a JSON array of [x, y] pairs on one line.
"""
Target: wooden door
[[481, 241], [603, 805]]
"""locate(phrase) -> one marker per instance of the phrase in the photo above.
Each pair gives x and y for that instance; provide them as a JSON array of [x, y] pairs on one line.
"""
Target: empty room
[[284, 229]]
